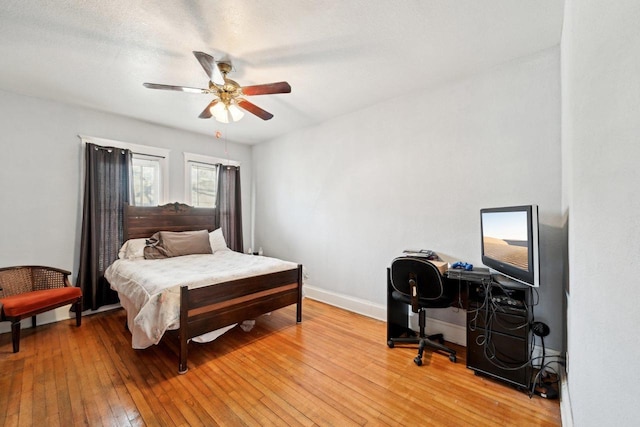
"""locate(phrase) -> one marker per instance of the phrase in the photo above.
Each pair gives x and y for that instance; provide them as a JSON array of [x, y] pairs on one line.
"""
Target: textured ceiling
[[338, 56]]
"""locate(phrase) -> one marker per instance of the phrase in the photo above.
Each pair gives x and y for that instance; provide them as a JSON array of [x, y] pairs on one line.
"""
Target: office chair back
[[418, 282]]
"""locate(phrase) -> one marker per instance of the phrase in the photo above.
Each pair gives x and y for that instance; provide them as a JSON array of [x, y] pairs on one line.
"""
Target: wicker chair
[[29, 290]]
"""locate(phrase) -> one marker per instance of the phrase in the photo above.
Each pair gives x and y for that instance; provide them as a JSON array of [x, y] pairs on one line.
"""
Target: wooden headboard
[[143, 221]]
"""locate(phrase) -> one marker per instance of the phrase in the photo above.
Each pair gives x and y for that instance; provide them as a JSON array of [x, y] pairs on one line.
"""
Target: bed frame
[[208, 308]]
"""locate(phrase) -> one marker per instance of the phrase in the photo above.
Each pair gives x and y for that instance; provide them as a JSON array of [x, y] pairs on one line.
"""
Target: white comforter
[[150, 289]]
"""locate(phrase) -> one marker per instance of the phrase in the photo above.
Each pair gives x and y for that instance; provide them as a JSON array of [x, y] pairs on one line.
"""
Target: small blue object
[[462, 265]]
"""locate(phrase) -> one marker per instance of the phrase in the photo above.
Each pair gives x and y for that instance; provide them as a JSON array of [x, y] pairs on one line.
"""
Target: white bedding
[[150, 289]]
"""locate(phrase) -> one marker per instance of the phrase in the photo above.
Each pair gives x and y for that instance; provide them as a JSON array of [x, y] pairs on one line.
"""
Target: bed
[[181, 294]]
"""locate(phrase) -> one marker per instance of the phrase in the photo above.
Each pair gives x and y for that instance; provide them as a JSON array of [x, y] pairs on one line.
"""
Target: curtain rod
[[109, 149], [101, 147], [138, 149], [213, 164]]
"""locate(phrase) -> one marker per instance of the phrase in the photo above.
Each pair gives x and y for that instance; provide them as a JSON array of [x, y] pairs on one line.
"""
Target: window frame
[[202, 159], [146, 152]]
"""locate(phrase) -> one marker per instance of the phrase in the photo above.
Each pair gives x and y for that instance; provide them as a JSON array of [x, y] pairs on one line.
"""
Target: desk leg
[[397, 315]]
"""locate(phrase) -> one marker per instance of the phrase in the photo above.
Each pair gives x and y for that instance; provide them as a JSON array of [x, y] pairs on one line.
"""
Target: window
[[203, 185], [201, 179], [150, 174], [146, 180]]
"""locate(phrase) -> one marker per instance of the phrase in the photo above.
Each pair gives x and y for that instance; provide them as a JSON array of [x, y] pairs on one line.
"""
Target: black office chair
[[418, 283]]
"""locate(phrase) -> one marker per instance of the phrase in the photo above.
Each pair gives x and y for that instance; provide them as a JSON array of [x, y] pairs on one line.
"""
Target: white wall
[[41, 184], [345, 197], [601, 133]]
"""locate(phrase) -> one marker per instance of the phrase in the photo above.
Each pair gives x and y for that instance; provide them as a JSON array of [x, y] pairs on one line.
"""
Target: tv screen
[[510, 242]]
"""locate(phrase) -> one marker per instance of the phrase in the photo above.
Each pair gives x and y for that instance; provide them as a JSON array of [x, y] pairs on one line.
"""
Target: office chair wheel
[[418, 360], [390, 344], [453, 358]]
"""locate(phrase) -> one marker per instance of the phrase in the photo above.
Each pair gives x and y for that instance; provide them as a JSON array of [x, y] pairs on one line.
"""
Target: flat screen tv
[[510, 242]]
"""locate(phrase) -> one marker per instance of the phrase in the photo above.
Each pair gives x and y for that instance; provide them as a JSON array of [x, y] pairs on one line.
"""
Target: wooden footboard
[[209, 308]]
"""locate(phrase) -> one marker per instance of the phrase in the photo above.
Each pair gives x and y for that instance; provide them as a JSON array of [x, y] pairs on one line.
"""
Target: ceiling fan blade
[[254, 109], [178, 88], [206, 113], [266, 89], [210, 67]]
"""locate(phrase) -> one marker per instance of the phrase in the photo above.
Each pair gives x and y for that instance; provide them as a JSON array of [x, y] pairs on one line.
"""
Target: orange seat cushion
[[21, 304]]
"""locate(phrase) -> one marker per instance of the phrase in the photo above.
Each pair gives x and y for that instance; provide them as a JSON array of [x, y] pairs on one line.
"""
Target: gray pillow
[[167, 244]]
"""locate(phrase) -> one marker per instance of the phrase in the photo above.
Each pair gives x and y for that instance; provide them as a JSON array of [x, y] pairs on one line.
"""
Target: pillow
[[167, 244], [217, 242], [132, 249]]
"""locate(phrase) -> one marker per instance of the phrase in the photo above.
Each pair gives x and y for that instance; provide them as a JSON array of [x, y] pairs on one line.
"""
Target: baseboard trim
[[565, 401], [356, 305], [456, 334]]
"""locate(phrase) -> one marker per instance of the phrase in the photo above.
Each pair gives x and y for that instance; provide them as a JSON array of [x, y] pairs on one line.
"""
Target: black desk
[[498, 325]]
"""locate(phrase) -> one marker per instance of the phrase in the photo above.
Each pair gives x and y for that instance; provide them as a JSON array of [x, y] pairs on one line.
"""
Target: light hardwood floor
[[333, 369]]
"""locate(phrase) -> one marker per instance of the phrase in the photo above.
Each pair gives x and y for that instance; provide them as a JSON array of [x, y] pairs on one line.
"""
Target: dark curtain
[[106, 190], [230, 206]]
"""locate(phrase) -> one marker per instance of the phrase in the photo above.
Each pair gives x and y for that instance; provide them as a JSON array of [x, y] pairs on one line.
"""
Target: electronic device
[[462, 265], [509, 239], [477, 274], [421, 253], [507, 301]]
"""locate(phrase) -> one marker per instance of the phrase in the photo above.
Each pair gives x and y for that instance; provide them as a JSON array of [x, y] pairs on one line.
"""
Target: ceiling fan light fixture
[[226, 113], [235, 112], [219, 111]]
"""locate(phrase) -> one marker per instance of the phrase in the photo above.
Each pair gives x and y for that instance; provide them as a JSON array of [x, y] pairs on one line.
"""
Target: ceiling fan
[[229, 102]]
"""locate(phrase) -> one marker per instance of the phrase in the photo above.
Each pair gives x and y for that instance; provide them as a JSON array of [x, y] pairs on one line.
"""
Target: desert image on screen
[[507, 252], [505, 238]]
